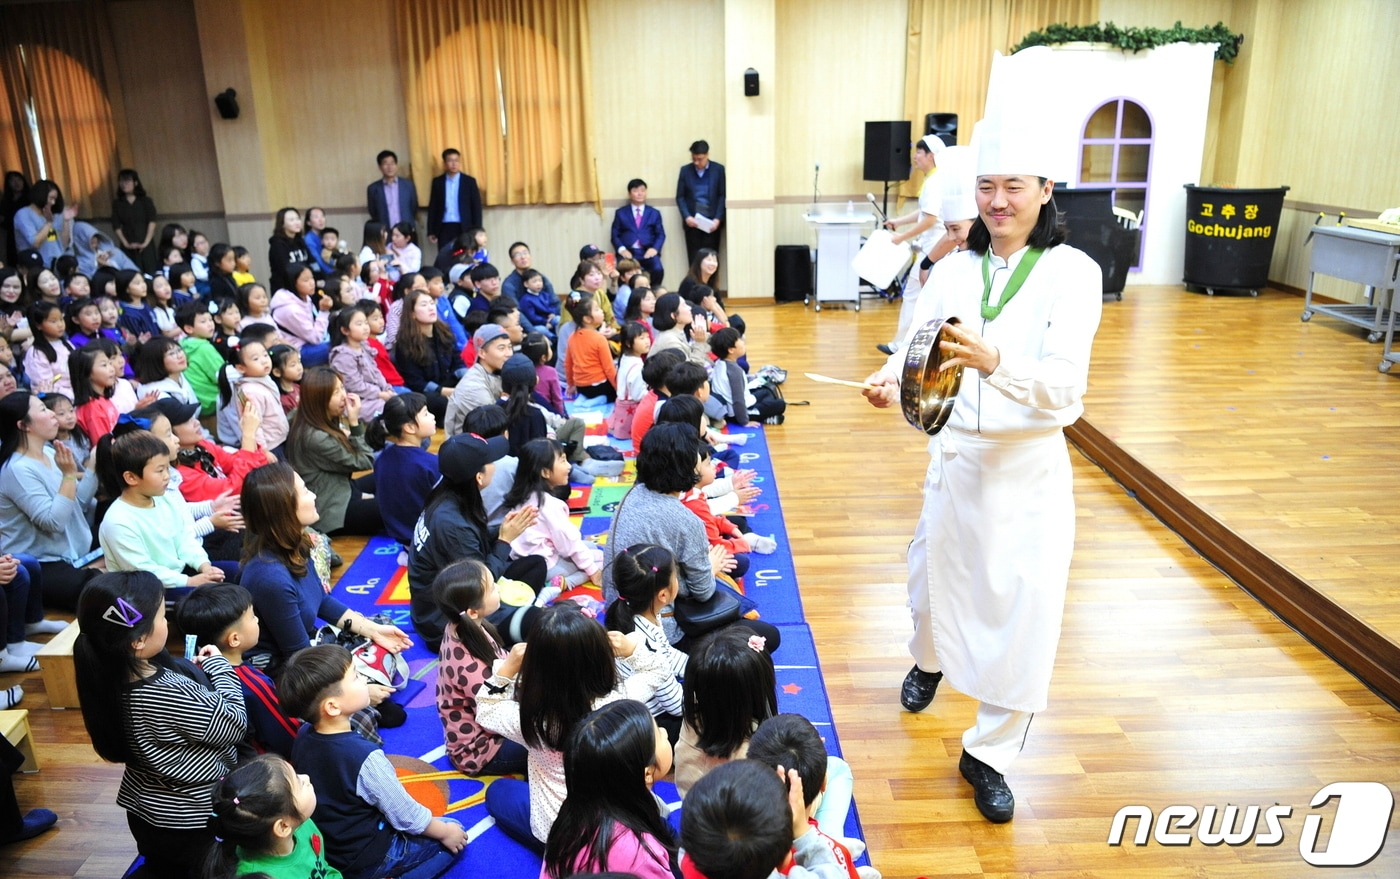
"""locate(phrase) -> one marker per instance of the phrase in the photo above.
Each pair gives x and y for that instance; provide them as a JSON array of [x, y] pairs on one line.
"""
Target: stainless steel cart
[[1362, 256]]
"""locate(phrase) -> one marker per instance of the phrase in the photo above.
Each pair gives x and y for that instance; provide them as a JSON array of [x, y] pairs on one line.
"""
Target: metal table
[[1362, 256]]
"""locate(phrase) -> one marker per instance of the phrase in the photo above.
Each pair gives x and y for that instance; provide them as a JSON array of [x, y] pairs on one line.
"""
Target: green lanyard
[[1018, 277]]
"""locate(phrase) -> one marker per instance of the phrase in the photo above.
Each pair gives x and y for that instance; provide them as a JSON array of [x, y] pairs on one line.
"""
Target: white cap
[[955, 166], [1012, 138], [933, 143]]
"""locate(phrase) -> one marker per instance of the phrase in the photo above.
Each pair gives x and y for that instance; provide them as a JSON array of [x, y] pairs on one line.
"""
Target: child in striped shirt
[[175, 724]]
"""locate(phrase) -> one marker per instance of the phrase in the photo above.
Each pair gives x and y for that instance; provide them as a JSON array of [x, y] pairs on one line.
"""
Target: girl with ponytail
[[405, 471], [646, 581], [262, 824], [175, 726], [466, 595]]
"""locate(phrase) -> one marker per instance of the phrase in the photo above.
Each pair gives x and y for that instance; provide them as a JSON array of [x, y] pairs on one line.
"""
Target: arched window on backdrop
[[506, 82], [56, 120], [1116, 153]]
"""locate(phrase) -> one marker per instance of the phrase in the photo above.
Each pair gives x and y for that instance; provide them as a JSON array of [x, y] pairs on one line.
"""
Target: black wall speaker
[[750, 83], [945, 125], [227, 103], [887, 150]]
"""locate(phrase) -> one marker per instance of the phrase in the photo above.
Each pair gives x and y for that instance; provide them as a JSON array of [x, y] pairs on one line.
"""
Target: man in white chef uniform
[[990, 558]]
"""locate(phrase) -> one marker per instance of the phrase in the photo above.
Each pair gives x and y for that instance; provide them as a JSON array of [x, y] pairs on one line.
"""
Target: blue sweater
[[137, 319], [287, 608], [359, 836], [403, 477]]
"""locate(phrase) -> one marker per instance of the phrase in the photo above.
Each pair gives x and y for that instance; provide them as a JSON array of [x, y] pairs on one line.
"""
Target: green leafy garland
[[1135, 39]]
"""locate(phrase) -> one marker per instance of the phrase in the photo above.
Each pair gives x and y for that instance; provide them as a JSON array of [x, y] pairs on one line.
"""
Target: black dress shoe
[[884, 349], [919, 687], [993, 797]]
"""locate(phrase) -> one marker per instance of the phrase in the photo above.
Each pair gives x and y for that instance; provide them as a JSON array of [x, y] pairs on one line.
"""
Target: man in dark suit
[[392, 200], [638, 233], [700, 192], [454, 202]]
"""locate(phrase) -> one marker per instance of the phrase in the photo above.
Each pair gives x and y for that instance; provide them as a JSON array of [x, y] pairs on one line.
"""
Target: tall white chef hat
[[955, 175], [1012, 137]]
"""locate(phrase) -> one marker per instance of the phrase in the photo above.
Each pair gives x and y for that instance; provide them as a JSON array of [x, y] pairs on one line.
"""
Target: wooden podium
[[838, 228]]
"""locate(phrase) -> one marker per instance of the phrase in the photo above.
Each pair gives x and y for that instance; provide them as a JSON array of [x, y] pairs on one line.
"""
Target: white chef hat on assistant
[[955, 175]]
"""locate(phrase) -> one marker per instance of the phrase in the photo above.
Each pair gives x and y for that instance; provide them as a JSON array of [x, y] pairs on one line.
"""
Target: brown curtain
[[53, 54], [507, 83], [950, 54]]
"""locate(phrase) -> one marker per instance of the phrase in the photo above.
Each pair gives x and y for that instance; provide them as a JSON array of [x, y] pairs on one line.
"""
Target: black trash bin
[[792, 271], [1230, 235]]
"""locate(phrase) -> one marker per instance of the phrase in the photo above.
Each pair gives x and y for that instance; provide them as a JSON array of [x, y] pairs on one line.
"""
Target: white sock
[[24, 648], [10, 698], [45, 627], [760, 544], [13, 662]]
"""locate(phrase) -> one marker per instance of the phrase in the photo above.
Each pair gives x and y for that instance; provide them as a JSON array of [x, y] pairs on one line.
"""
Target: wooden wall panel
[[1332, 132], [658, 85], [839, 66], [172, 145]]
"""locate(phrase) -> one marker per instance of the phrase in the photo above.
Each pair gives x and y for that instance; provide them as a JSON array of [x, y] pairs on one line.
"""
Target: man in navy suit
[[454, 202], [392, 200], [700, 191], [638, 233]]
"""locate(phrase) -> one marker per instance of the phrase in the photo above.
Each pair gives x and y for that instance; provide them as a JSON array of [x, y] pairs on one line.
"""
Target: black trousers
[[11, 819], [63, 583], [600, 390], [362, 516], [695, 239], [169, 854], [771, 636]]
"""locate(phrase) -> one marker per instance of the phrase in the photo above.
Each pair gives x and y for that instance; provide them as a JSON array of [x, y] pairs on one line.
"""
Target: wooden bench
[[14, 726], [56, 665]]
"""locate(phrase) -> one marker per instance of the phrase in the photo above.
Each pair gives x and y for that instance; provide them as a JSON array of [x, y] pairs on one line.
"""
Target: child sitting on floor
[[262, 818], [222, 614], [744, 821], [730, 385], [466, 594], [203, 359], [542, 472], [790, 741], [730, 688], [144, 530], [373, 828], [655, 370]]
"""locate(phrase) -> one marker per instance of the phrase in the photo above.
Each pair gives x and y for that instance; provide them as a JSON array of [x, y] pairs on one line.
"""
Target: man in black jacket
[[454, 203]]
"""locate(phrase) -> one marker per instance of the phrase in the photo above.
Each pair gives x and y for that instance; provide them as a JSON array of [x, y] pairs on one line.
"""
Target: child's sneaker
[[774, 419]]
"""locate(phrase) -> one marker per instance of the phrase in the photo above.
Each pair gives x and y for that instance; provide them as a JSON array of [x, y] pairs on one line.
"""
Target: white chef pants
[[999, 733]]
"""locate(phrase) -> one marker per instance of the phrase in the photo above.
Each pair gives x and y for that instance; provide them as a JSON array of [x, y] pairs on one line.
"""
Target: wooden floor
[[1172, 686]]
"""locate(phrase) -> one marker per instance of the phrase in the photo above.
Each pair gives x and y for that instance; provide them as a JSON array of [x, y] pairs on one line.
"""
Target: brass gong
[[926, 394]]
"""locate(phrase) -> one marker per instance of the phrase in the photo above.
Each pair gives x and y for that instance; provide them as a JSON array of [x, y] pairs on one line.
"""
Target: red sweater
[[644, 418], [386, 366], [196, 485], [719, 531]]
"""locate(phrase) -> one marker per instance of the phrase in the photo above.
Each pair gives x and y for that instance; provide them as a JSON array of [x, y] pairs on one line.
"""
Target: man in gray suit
[[392, 200]]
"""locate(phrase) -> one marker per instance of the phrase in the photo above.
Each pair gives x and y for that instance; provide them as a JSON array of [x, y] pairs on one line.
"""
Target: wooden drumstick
[[826, 379]]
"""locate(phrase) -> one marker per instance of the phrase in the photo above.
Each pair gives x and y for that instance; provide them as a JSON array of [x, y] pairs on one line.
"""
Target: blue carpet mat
[[375, 583]]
